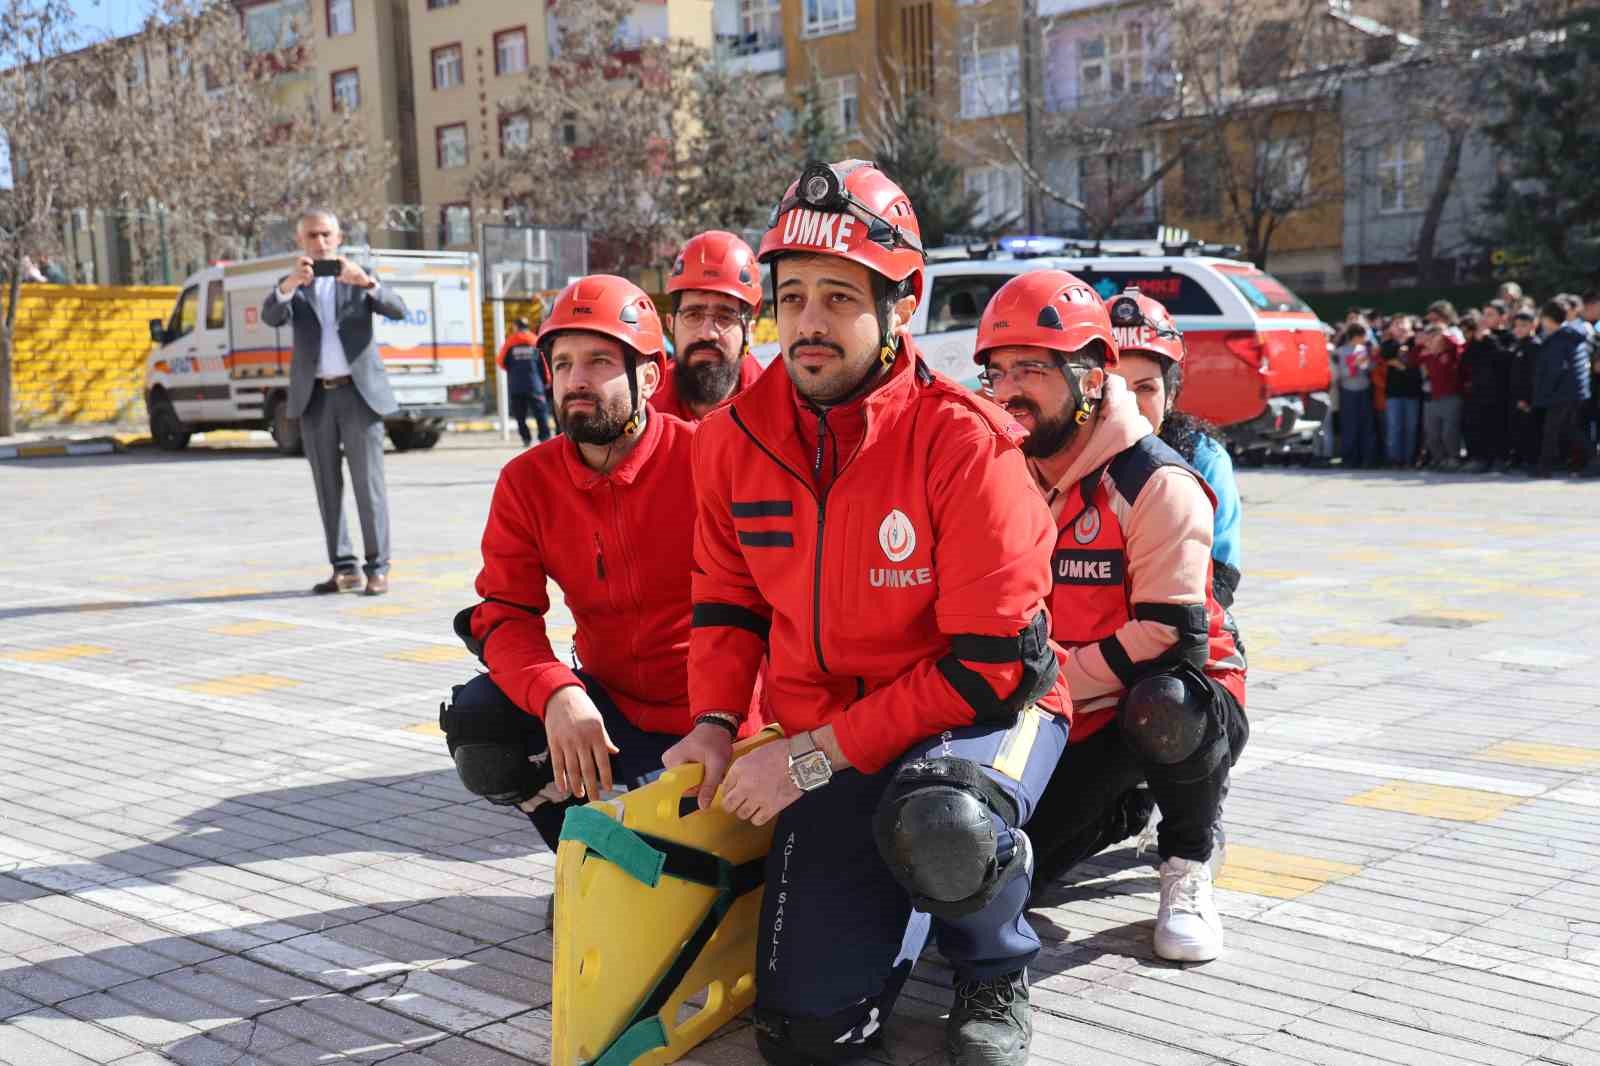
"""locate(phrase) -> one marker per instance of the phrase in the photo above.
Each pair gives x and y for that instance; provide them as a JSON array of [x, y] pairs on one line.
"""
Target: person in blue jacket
[[1152, 364], [1561, 385]]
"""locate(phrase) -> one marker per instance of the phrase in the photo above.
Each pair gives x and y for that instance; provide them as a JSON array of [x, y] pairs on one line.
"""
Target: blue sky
[[98, 19]]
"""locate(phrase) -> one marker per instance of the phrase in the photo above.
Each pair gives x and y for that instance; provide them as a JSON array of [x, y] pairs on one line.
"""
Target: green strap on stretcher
[[644, 859]]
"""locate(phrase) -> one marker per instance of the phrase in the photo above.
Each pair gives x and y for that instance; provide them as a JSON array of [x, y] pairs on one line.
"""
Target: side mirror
[[158, 331]]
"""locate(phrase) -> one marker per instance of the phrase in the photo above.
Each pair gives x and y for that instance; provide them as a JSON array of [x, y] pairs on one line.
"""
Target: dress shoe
[[341, 581], [377, 585]]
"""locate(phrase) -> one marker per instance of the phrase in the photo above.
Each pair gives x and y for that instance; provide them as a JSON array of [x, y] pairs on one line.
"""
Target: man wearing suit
[[340, 393]]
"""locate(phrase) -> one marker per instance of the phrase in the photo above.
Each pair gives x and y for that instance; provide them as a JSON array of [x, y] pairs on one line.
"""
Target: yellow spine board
[[615, 937]]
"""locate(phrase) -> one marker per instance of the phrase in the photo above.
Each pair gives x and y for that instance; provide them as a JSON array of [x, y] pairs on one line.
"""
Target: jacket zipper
[[599, 559], [822, 510]]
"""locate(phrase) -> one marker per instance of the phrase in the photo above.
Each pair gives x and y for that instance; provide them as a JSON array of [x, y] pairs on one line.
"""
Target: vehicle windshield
[[1263, 291]]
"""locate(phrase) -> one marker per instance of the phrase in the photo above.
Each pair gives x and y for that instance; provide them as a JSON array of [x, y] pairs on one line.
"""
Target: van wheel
[[166, 428], [408, 437], [285, 430]]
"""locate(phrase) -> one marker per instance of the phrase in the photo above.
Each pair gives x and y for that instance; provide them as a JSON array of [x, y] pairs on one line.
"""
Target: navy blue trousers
[[838, 934]]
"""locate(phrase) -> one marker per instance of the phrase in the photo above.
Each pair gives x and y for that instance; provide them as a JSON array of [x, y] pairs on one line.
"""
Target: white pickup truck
[[214, 365]]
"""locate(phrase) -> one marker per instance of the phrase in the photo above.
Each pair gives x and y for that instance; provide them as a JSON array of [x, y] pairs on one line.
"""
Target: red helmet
[[718, 261], [1045, 309], [850, 210], [610, 306], [1141, 324]]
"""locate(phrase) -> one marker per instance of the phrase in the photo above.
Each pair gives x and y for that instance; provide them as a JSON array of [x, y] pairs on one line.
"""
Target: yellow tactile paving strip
[[241, 685], [1356, 638], [427, 729], [1278, 874], [57, 654], [434, 653], [1436, 801], [1554, 756], [251, 629]]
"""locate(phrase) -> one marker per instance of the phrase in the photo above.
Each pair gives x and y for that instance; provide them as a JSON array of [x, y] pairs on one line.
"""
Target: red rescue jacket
[[891, 589], [668, 400], [1093, 593], [619, 547]]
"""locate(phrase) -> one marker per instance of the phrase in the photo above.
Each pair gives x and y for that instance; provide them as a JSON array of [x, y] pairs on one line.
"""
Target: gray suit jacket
[[355, 308]]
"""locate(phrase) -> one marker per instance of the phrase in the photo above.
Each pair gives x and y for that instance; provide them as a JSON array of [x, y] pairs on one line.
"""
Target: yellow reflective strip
[[1018, 745]]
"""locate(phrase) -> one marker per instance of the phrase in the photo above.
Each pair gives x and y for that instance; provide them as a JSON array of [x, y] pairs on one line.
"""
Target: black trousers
[[1082, 806], [1564, 437], [1488, 428], [524, 404]]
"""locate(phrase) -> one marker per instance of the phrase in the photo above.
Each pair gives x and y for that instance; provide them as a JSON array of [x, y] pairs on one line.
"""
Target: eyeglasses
[[1024, 373], [721, 321]]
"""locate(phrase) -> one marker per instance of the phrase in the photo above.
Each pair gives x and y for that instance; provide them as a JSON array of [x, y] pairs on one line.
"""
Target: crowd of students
[[1507, 386]]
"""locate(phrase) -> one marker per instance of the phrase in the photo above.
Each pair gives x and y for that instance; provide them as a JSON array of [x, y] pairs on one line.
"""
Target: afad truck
[[215, 365]]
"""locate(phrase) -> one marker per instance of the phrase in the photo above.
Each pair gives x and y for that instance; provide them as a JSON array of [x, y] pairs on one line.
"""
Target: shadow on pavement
[[358, 982], [37, 609], [385, 817]]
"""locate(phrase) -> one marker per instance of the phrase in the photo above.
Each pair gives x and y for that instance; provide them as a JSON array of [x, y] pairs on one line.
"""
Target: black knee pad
[[490, 740], [934, 828], [1172, 719], [786, 1041]]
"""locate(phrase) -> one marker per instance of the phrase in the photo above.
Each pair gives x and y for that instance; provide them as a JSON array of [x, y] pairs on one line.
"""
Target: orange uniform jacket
[[900, 594], [619, 546], [668, 400]]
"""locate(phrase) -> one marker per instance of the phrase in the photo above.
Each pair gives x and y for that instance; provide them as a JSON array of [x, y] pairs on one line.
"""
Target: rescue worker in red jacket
[[872, 527], [1156, 677], [715, 286], [603, 511]]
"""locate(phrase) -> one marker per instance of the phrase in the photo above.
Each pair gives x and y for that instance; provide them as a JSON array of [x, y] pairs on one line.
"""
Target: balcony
[[751, 53]]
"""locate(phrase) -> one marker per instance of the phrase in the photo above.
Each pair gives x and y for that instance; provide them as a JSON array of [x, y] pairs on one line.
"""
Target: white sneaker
[[1188, 928]]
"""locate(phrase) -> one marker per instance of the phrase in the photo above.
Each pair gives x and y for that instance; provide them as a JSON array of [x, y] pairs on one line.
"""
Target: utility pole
[[1031, 84]]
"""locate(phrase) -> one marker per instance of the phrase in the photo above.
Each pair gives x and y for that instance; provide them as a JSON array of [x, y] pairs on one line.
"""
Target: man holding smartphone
[[339, 392]]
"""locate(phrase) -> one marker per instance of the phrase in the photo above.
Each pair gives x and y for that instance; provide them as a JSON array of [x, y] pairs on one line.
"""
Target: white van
[[214, 365]]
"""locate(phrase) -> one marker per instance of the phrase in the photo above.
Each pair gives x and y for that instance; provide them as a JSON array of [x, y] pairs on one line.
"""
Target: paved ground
[[229, 833]]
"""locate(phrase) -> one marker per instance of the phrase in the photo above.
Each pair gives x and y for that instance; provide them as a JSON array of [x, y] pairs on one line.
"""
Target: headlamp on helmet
[[1126, 314]]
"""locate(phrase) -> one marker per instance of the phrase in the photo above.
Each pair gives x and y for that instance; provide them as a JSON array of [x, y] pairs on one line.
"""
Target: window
[[958, 300], [1282, 170], [511, 51], [1400, 166], [1178, 293], [827, 16], [435, 4], [216, 306], [999, 192], [346, 89], [515, 132], [275, 25], [341, 17], [136, 69], [842, 106], [1105, 180], [1265, 292], [455, 225], [184, 315], [569, 129], [1112, 64], [447, 69], [450, 144], [760, 25], [990, 83]]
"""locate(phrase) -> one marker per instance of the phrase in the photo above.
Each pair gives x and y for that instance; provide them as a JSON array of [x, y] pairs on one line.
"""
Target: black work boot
[[990, 1022]]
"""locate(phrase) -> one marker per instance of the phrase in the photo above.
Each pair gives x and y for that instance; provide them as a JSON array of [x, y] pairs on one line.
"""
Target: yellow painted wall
[[80, 351]]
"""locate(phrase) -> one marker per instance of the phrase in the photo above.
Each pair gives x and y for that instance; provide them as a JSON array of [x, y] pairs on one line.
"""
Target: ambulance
[[1257, 362], [213, 364]]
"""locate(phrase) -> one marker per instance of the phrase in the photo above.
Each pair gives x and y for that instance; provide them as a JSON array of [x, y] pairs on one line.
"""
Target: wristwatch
[[809, 767]]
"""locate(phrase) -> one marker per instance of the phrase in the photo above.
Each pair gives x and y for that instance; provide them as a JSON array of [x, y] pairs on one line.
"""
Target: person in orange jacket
[[873, 528], [525, 384], [600, 510], [1150, 656], [715, 287]]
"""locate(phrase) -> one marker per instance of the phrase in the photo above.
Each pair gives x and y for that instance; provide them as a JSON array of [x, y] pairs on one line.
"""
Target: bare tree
[[647, 141], [52, 113], [1260, 95]]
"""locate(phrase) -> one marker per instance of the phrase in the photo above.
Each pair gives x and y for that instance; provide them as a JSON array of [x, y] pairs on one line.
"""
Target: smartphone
[[325, 268]]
